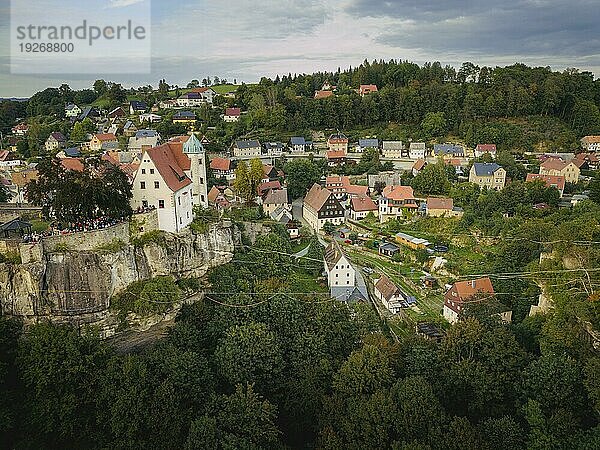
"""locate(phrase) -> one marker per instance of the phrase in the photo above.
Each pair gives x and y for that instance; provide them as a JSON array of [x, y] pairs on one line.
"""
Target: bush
[[61, 247], [10, 258], [155, 236], [147, 297], [114, 246]]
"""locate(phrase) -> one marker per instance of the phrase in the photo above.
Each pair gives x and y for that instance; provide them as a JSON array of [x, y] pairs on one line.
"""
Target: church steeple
[[194, 149]]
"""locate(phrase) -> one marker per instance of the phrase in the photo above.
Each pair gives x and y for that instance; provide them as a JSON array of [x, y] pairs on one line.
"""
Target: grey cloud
[[486, 27]]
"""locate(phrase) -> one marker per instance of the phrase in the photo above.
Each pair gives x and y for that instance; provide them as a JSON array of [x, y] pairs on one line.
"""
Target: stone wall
[[87, 240]]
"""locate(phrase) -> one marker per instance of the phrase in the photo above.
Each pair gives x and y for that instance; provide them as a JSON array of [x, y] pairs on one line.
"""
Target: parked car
[[367, 270], [440, 248]]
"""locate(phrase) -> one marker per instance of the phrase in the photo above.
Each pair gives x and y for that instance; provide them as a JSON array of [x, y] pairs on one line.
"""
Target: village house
[[418, 166], [129, 128], [392, 149], [222, 168], [137, 107], [366, 89], [220, 197], [150, 118], [283, 216], [9, 158], [387, 178], [143, 140], [184, 117], [361, 206], [170, 103], [299, 145], [189, 100], [396, 201], [206, 94], [338, 142], [388, 249], [117, 114], [591, 143], [364, 144], [55, 141], [320, 206], [411, 241], [337, 185], [100, 141], [442, 207], [417, 150], [273, 149], [489, 175], [274, 199], [449, 150], [335, 157], [232, 115], [342, 277], [71, 152], [72, 110], [265, 186], [390, 295], [247, 149], [89, 112], [557, 182], [270, 173], [463, 292], [485, 149], [586, 161], [323, 94], [356, 190], [558, 167], [20, 129]]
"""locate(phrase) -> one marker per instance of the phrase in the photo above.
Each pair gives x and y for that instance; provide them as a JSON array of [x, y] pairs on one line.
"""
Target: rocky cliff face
[[76, 286]]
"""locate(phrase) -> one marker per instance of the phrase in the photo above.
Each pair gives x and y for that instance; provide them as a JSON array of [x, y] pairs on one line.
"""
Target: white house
[[247, 149], [299, 145], [389, 294], [320, 206], [392, 149], [343, 280], [143, 139], [190, 100], [361, 206], [591, 143], [232, 114], [72, 110], [161, 182], [417, 150]]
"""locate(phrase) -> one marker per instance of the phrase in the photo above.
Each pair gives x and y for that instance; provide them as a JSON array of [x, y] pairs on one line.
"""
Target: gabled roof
[[363, 203], [557, 181], [335, 154], [440, 203], [368, 143], [338, 137], [168, 167], [469, 288], [590, 139], [268, 185], [485, 169], [184, 115], [488, 148], [106, 137], [72, 152], [317, 196], [367, 88], [137, 105], [393, 145], [333, 253], [276, 197], [448, 149], [117, 112], [220, 164], [398, 193], [146, 133], [387, 288], [554, 164], [59, 137], [337, 180], [297, 140], [72, 164], [417, 145], [355, 189], [233, 112], [72, 106], [247, 144], [419, 164], [15, 225], [323, 94]]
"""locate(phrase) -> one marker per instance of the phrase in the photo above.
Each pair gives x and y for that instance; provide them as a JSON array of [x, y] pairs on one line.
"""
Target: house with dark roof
[[55, 141], [345, 283], [388, 249], [283, 216], [190, 100], [117, 113], [364, 144], [137, 107], [72, 110], [489, 175], [449, 150], [184, 117], [247, 149], [273, 148], [338, 142], [320, 206], [298, 144], [89, 112]]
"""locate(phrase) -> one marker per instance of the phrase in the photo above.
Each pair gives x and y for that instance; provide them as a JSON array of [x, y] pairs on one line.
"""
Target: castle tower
[[195, 151]]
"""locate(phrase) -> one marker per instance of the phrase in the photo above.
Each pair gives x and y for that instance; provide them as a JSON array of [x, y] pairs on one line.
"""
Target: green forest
[[267, 360]]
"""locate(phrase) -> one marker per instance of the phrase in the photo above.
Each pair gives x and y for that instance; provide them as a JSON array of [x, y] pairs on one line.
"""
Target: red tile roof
[[557, 181], [264, 187], [106, 137], [72, 164], [387, 288], [236, 112], [363, 203], [335, 154], [419, 164], [469, 288], [317, 196], [220, 164], [353, 189], [399, 192], [165, 161], [323, 94], [486, 148], [440, 203], [367, 88], [336, 181], [554, 164]]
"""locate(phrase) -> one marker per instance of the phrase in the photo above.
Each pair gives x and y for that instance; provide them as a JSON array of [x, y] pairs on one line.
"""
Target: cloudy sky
[[245, 39]]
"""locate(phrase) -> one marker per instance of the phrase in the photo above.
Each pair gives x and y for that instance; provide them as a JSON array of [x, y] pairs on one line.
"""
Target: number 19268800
[[43, 47]]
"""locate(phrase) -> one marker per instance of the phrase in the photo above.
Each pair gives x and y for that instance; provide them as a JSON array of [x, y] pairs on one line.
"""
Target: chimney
[[473, 283]]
